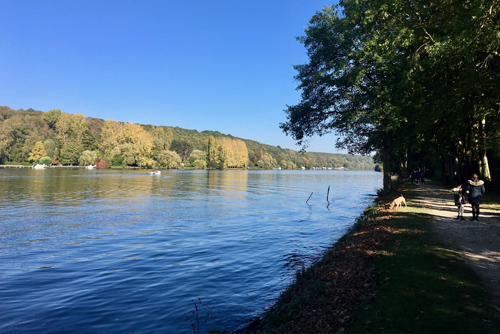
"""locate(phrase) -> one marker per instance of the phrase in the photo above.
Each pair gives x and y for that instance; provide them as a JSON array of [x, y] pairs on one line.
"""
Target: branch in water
[[309, 198]]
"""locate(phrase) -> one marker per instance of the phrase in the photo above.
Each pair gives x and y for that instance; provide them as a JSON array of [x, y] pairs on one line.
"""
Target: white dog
[[398, 202]]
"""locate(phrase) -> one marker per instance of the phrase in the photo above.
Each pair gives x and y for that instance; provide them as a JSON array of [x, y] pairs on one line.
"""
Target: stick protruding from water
[[309, 198]]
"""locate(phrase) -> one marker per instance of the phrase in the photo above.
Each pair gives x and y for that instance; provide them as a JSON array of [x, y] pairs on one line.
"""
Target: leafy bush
[[87, 158], [200, 163], [46, 161], [117, 161]]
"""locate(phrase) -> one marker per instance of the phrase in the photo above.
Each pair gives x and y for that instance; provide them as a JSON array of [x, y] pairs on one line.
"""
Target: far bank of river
[[178, 169]]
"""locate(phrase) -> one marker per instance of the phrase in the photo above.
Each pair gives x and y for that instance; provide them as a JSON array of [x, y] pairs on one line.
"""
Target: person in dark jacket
[[475, 190]]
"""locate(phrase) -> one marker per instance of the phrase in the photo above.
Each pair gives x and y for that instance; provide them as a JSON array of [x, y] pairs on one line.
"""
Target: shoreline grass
[[324, 296], [389, 274], [424, 286]]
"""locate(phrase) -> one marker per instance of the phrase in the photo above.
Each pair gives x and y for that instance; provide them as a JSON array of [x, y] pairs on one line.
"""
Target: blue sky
[[223, 65]]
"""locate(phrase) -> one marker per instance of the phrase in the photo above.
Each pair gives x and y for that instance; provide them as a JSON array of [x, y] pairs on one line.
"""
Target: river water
[[124, 251]]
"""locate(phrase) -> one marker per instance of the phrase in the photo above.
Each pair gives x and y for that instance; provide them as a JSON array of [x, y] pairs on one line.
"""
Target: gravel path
[[478, 241]]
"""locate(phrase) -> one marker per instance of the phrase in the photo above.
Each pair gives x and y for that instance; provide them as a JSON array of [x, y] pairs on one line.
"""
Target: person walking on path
[[459, 201], [475, 190]]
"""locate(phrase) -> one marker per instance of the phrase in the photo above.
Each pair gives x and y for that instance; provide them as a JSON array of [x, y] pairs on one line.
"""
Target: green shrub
[[46, 161], [199, 163], [117, 161]]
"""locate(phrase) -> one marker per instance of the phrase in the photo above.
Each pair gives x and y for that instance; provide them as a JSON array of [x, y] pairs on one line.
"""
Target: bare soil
[[478, 241]]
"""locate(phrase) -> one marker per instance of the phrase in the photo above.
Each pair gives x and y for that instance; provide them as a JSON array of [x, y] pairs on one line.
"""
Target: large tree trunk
[[386, 160], [484, 168]]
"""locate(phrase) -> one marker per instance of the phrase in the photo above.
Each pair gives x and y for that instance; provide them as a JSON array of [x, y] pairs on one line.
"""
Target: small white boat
[[39, 166], [90, 167], [156, 173]]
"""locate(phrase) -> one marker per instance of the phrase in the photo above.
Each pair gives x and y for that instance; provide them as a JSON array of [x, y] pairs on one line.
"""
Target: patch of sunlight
[[409, 231], [446, 253], [492, 205], [475, 309], [448, 311], [449, 252], [418, 209], [385, 253], [416, 204], [429, 275]]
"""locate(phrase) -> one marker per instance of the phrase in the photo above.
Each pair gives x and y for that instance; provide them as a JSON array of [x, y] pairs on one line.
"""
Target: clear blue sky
[[223, 65]]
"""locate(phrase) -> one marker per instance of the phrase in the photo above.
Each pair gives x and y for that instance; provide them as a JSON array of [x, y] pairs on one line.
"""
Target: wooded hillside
[[73, 139]]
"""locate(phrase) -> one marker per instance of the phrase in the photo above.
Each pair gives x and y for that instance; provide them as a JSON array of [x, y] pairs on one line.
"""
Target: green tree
[[182, 147], [87, 158], [116, 157], [146, 162], [62, 128], [12, 137], [79, 128], [399, 78], [50, 147], [169, 159], [266, 161], [69, 154], [162, 138], [128, 154], [89, 143], [198, 159], [36, 131], [51, 117], [342, 90], [46, 161], [70, 132], [447, 62], [12, 134]]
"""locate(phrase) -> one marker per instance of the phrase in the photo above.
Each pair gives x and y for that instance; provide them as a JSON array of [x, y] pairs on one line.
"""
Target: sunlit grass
[[422, 286]]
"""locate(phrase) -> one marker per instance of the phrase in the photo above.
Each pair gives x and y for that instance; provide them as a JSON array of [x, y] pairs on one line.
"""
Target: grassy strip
[[388, 275], [424, 286], [323, 297], [6, 163]]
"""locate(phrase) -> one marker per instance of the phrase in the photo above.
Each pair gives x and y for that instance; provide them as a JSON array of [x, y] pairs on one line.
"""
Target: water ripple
[[119, 252]]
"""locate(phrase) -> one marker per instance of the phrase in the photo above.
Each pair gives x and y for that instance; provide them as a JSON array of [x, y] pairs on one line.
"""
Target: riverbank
[[399, 271], [65, 167], [51, 167]]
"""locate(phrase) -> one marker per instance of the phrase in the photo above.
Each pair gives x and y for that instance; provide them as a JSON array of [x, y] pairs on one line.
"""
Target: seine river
[[111, 251]]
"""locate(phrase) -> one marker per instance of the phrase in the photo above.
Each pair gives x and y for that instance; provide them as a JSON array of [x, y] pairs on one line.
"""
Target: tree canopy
[[415, 81]]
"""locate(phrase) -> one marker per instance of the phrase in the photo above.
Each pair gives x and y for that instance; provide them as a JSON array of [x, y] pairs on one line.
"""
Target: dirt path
[[478, 241]]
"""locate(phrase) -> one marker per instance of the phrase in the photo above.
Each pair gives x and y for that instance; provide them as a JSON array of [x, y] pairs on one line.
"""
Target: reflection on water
[[122, 251]]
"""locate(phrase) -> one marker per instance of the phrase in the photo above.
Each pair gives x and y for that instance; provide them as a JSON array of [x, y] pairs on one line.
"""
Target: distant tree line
[[58, 138]]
